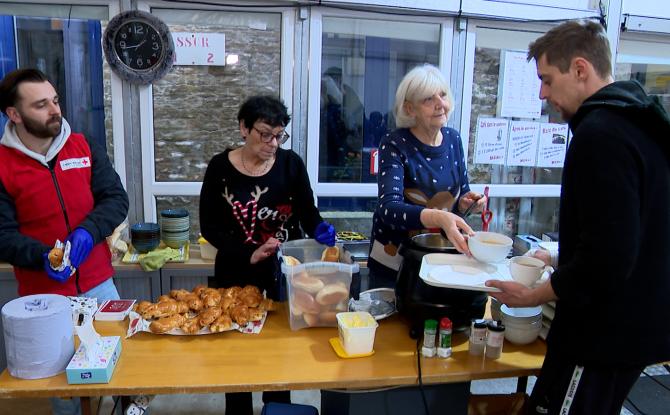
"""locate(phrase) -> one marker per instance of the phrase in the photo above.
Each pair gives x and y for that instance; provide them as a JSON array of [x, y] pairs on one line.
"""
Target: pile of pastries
[[203, 307]]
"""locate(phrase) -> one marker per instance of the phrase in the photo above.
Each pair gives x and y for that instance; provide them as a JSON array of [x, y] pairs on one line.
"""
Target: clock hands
[[134, 46]]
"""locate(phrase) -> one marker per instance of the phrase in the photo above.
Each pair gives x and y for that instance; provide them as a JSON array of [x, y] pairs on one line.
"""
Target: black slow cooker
[[418, 301]]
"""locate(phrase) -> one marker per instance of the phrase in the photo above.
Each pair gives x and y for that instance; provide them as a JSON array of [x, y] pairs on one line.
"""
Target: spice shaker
[[495, 334], [429, 332], [444, 338], [477, 341]]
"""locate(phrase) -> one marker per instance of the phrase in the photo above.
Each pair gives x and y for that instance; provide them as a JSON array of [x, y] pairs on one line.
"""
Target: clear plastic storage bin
[[317, 290]]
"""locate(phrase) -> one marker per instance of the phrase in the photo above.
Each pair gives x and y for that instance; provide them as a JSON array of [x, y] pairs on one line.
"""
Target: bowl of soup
[[490, 246]]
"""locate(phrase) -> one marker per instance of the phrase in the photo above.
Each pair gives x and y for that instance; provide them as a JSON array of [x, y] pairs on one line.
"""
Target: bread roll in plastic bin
[[317, 290]]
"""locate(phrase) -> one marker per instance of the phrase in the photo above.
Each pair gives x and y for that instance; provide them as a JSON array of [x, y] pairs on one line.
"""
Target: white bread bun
[[305, 302], [332, 294], [291, 261], [331, 254], [307, 283], [295, 309], [311, 319]]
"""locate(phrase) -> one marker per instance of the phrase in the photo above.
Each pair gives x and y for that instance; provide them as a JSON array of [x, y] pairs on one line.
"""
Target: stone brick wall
[[195, 107]]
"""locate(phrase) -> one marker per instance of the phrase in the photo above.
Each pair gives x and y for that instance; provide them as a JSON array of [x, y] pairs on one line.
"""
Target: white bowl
[[522, 333], [489, 246], [521, 314]]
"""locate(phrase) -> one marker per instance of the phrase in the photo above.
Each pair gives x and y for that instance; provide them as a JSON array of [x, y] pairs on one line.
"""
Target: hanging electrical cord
[[418, 363]]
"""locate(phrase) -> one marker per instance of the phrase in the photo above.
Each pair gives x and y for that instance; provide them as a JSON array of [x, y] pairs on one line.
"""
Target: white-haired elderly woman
[[422, 180]]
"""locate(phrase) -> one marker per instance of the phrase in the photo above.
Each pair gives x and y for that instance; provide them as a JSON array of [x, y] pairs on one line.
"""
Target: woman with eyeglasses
[[253, 198]]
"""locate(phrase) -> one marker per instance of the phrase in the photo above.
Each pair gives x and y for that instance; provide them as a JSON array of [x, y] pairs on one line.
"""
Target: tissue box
[[100, 370]]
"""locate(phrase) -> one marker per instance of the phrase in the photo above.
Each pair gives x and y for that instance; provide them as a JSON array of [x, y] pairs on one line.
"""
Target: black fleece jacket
[[613, 278]]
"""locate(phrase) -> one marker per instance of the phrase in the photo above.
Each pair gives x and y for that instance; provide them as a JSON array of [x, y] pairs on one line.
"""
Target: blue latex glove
[[81, 243], [325, 233], [60, 276]]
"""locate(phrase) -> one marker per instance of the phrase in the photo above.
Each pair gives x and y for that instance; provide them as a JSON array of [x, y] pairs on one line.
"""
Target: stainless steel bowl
[[433, 242]]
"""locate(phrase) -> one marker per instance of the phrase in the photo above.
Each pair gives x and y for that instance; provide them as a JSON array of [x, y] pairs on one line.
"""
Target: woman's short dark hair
[[9, 86], [266, 108], [572, 39]]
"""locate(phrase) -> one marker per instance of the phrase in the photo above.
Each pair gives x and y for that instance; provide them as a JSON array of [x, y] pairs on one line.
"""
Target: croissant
[[232, 292], [211, 298], [256, 314], [240, 314], [191, 326], [199, 289], [223, 323], [164, 297], [142, 307], [267, 304], [251, 300], [180, 295], [227, 303], [165, 324], [208, 315], [250, 290], [194, 302], [182, 307], [165, 308]]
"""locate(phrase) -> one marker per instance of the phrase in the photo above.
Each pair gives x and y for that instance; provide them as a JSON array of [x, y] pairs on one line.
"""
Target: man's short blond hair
[[572, 39], [420, 83]]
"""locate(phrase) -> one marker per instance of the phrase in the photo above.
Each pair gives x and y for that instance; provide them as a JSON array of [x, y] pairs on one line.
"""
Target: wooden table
[[276, 359]]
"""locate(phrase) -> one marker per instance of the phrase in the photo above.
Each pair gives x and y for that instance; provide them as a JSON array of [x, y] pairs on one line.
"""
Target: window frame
[[329, 189], [116, 87], [152, 188]]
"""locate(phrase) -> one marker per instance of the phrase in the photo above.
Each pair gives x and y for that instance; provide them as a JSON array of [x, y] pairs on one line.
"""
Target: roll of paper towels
[[38, 332]]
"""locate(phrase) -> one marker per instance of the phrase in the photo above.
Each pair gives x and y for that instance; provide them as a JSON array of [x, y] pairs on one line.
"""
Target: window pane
[[195, 107], [69, 52], [648, 63], [362, 63], [488, 46], [349, 213], [521, 215]]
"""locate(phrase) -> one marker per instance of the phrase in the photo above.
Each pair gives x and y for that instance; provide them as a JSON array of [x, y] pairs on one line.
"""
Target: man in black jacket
[[612, 283]]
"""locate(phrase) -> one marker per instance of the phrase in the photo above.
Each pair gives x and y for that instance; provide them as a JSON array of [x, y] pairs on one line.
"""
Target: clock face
[[138, 45]]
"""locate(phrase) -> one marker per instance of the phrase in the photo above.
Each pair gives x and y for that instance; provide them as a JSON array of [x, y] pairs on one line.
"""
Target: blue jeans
[[103, 291]]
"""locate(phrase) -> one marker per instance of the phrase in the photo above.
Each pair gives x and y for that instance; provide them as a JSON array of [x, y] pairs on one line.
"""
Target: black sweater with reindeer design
[[238, 213], [412, 176]]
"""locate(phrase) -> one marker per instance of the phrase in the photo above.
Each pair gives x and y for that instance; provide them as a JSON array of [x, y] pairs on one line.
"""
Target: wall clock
[[138, 46]]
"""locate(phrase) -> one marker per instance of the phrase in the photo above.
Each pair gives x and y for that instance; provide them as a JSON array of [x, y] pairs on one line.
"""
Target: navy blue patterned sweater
[[412, 176]]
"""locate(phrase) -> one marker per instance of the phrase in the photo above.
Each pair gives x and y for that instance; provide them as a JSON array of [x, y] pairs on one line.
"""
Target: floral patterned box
[[81, 370]]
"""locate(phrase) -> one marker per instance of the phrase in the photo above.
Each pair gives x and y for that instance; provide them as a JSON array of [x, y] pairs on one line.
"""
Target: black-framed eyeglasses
[[267, 137]]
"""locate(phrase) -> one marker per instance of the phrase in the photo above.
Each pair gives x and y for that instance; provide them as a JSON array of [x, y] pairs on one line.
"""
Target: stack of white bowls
[[522, 324], [175, 227]]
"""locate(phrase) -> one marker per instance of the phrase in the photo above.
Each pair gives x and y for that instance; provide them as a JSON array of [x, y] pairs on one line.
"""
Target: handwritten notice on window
[[204, 49], [491, 140], [553, 143], [520, 86], [522, 146]]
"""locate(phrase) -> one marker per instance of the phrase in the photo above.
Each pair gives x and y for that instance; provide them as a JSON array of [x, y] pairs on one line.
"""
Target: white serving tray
[[460, 272]]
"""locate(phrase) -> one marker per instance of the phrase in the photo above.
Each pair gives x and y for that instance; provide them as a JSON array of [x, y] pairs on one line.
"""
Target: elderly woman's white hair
[[420, 83]]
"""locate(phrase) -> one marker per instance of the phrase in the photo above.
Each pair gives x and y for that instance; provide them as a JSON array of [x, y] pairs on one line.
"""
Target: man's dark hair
[[9, 86], [266, 108], [571, 39]]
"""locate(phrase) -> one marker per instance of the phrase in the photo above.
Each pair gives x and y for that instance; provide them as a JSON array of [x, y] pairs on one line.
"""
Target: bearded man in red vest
[[54, 185]]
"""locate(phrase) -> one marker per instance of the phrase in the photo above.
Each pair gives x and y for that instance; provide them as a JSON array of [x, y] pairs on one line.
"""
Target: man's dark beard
[[49, 130]]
